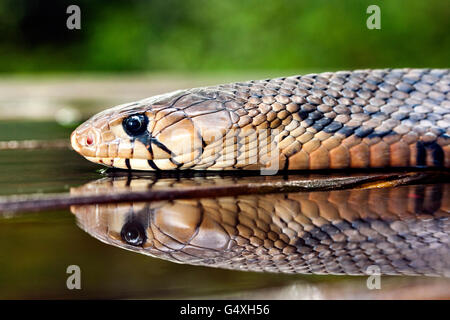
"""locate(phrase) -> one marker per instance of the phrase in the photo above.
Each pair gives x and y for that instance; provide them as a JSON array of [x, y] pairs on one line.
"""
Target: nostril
[[90, 139]]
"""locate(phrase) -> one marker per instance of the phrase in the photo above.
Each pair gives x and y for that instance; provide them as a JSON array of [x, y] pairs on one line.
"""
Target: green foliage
[[188, 35]]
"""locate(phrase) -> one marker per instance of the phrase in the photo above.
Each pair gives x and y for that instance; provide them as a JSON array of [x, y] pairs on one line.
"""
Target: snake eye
[[135, 125], [133, 233]]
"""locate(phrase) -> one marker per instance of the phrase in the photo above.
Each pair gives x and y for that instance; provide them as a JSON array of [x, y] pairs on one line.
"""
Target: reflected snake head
[[172, 231], [178, 231]]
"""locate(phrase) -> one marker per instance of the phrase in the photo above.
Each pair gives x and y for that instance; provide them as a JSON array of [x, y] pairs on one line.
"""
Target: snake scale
[[401, 230], [331, 120]]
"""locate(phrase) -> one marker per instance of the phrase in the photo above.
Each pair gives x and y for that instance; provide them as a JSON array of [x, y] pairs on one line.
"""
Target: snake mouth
[[135, 155]]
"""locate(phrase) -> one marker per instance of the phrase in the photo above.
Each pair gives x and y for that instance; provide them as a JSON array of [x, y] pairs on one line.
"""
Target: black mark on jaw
[[152, 165], [179, 165], [160, 145], [127, 163], [136, 127]]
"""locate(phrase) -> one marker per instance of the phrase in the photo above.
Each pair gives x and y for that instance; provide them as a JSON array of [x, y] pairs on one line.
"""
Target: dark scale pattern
[[348, 119]]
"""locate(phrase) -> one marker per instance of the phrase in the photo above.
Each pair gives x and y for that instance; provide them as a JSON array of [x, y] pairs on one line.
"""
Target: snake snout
[[84, 140]]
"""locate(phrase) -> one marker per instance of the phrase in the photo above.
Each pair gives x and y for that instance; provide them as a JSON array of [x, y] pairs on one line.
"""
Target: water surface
[[36, 248]]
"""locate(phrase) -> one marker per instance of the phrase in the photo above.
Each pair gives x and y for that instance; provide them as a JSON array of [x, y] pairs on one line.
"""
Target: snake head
[[160, 133]]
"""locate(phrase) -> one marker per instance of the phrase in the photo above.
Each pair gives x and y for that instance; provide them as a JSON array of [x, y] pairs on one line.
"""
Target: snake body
[[397, 231], [332, 120]]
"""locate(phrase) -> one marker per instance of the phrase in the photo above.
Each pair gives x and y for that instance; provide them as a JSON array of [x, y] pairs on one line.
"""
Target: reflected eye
[[133, 233], [135, 125]]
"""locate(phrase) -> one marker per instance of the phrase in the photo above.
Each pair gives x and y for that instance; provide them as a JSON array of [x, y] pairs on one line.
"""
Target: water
[[37, 247]]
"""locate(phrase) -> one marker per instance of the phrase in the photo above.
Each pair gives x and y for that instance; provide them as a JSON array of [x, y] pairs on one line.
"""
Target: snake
[[399, 230], [332, 120], [361, 119]]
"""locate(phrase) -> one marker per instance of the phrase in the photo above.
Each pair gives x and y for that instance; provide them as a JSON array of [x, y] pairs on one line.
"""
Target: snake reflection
[[400, 230]]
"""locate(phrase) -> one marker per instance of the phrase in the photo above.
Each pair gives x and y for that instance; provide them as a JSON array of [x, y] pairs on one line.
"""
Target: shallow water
[[36, 248]]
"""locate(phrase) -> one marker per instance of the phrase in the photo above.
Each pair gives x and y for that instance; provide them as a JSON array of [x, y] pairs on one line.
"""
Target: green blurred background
[[218, 35]]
